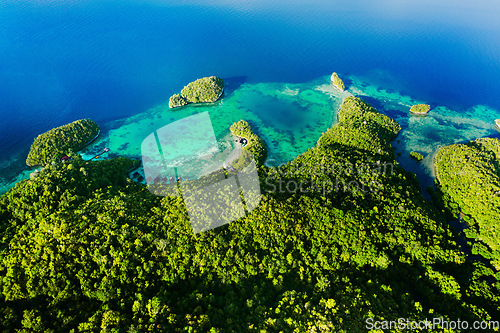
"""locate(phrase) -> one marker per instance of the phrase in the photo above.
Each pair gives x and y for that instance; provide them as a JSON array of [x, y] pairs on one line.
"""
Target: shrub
[[417, 156], [176, 100], [420, 108], [337, 82], [204, 90]]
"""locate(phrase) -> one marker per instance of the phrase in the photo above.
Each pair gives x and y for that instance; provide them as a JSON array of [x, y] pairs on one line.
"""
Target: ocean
[[117, 62]]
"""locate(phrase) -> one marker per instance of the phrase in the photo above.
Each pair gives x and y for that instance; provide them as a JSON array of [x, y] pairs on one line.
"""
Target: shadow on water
[[373, 102], [348, 83], [377, 104], [233, 83], [458, 222], [459, 225], [493, 136]]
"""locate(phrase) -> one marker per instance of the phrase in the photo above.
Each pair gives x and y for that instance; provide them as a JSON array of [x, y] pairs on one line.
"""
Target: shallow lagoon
[[110, 60], [290, 117], [425, 134]]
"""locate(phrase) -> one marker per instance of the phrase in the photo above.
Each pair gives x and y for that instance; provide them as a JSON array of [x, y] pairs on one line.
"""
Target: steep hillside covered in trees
[[60, 141], [341, 234], [469, 181]]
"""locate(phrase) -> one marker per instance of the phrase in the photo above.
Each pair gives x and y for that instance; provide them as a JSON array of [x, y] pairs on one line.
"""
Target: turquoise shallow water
[[290, 117], [117, 62], [425, 134]]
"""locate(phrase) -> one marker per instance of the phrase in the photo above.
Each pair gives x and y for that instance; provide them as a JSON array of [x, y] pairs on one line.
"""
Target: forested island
[[469, 183], [204, 90], [417, 155], [420, 109], [60, 141], [255, 145], [85, 249], [337, 82]]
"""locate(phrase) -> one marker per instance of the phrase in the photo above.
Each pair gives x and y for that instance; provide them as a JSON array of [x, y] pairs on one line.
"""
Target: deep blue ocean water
[[107, 60]]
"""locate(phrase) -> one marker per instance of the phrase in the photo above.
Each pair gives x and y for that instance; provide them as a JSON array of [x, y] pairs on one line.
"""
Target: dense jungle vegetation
[[469, 182], [85, 249], [204, 90], [255, 145], [60, 141], [177, 100]]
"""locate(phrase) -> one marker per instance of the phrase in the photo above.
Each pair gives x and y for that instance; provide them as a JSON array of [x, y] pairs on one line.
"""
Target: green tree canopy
[[420, 108], [60, 141], [204, 90], [85, 249], [337, 82], [469, 179]]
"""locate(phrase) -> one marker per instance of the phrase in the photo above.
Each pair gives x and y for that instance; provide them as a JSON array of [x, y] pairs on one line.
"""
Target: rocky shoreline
[[337, 82]]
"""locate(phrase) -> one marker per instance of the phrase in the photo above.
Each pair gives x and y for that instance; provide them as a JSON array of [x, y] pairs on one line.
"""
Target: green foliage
[[255, 145], [176, 100], [417, 156], [337, 82], [469, 177], [60, 141], [362, 127], [204, 90], [84, 249], [420, 108]]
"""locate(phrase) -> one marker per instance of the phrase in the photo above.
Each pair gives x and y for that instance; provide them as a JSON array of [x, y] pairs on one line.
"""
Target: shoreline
[[335, 86], [198, 103], [419, 113], [79, 152], [420, 109], [92, 140], [100, 132]]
